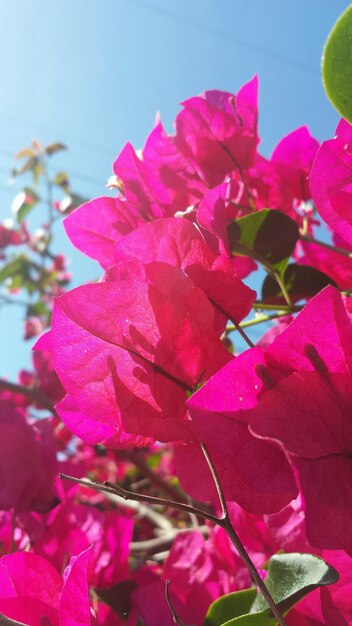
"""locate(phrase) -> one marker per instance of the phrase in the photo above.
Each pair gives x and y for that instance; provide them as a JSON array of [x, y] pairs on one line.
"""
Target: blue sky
[[93, 73]]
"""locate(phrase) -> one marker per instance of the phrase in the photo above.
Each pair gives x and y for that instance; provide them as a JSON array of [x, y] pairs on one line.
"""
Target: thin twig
[[136, 457], [323, 244], [29, 392], [174, 615], [130, 495], [225, 523], [143, 511], [164, 540]]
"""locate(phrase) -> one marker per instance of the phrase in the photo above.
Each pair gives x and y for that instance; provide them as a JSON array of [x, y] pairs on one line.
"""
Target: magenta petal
[[95, 227], [217, 130], [74, 608], [30, 589], [27, 462], [179, 242], [220, 411], [323, 323], [310, 413], [327, 487], [128, 351], [331, 182]]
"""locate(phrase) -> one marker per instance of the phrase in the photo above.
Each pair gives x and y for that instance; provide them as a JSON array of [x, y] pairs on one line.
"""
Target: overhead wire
[[249, 45]]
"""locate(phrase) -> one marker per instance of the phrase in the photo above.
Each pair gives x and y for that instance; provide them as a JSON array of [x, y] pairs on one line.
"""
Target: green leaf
[[38, 309], [293, 576], [62, 180], [29, 166], [52, 148], [301, 281], [71, 202], [24, 202], [337, 65], [268, 236], [290, 578], [230, 606], [20, 273]]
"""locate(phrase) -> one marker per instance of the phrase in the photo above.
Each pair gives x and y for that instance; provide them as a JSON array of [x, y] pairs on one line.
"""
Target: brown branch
[[175, 617], [137, 458], [139, 497], [29, 392], [225, 523]]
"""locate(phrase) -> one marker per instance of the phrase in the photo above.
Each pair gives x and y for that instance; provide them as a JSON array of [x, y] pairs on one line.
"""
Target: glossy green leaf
[[290, 578], [301, 281], [230, 606], [268, 236], [337, 65]]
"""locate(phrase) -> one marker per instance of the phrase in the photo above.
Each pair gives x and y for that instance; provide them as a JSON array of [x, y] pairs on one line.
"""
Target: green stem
[[328, 246], [282, 286], [258, 320]]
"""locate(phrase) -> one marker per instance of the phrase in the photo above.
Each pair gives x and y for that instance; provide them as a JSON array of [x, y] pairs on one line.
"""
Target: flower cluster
[[151, 388]]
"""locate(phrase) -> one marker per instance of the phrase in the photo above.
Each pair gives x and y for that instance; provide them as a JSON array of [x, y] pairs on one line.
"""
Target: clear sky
[[93, 73]]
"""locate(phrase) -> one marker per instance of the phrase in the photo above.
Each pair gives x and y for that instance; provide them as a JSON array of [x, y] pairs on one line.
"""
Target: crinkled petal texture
[[180, 243], [27, 462], [217, 131], [96, 225], [128, 350], [331, 181], [254, 473]]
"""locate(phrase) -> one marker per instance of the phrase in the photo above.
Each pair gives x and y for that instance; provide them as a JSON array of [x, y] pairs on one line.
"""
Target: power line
[[225, 36], [45, 128]]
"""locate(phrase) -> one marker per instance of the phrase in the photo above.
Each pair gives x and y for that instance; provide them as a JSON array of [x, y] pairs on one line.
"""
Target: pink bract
[[28, 462], [331, 181], [127, 350]]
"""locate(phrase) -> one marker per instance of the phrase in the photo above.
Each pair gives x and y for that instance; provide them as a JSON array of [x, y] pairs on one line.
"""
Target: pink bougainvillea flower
[[72, 528], [95, 432], [180, 243], [293, 158], [224, 407], [309, 413], [141, 186], [253, 473], [214, 214], [217, 131], [33, 592], [174, 171], [96, 225], [128, 350], [331, 181], [199, 574], [27, 462]]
